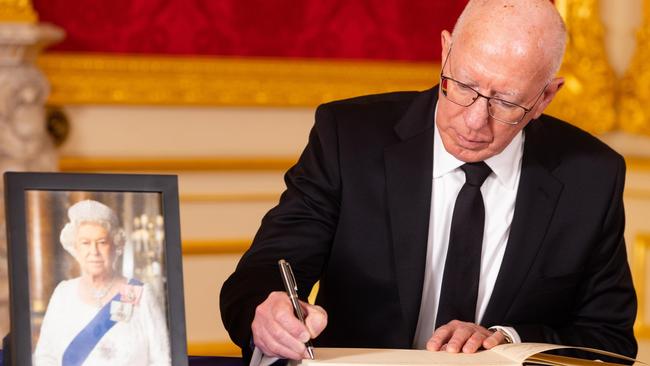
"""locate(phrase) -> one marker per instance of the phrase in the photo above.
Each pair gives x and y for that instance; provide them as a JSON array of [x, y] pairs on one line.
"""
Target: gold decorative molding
[[17, 11], [149, 80], [636, 193], [634, 95], [637, 163], [193, 164], [174, 164], [213, 349], [215, 247], [587, 99], [639, 274]]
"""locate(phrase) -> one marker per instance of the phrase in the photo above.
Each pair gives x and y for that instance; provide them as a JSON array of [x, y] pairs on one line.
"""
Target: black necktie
[[463, 264]]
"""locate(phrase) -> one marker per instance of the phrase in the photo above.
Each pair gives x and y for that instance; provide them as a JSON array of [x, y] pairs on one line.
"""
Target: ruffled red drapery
[[339, 29]]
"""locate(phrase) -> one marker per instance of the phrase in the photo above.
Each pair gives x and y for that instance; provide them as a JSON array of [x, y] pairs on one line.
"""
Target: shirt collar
[[505, 165]]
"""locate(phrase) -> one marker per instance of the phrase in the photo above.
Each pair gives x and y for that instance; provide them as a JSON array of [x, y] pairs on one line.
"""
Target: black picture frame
[[17, 187]]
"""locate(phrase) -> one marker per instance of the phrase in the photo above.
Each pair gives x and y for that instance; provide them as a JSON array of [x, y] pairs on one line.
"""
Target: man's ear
[[547, 96], [445, 41]]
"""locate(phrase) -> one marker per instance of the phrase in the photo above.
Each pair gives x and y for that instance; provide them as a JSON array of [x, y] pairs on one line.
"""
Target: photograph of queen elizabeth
[[101, 316]]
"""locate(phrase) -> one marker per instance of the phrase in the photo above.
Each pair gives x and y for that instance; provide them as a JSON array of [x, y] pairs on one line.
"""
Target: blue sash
[[86, 340]]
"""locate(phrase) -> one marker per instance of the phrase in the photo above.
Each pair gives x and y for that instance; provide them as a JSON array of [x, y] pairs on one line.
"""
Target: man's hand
[[457, 336], [278, 333]]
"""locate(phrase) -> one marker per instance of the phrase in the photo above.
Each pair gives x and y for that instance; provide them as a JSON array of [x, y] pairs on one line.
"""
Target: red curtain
[[349, 29]]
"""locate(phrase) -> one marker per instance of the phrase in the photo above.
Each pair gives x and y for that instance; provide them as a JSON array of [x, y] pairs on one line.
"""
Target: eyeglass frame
[[488, 99]]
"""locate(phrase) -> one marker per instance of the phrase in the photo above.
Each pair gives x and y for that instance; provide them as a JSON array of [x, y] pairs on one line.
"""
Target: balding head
[[507, 52], [522, 29]]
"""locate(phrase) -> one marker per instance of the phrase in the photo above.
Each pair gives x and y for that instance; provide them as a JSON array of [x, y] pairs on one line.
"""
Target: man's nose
[[476, 115]]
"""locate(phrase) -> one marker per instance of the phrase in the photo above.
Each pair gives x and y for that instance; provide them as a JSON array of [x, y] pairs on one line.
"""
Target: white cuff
[[260, 359], [509, 332]]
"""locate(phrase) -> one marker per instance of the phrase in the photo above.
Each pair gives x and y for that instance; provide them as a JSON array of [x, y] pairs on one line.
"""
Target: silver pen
[[292, 291]]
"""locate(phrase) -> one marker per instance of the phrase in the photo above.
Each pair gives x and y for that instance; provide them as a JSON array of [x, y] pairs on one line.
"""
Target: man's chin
[[471, 155], [473, 146]]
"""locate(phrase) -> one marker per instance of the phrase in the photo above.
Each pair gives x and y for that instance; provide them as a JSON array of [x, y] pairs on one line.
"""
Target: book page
[[532, 352], [381, 357], [502, 355], [519, 352], [556, 360]]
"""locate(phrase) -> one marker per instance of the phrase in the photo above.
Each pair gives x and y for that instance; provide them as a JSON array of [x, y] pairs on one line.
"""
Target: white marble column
[[24, 142], [622, 20]]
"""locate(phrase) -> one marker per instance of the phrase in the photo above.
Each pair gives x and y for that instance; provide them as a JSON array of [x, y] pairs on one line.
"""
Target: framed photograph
[[95, 271]]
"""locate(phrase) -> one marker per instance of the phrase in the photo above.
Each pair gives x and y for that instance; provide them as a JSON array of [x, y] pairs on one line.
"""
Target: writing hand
[[278, 333], [457, 336]]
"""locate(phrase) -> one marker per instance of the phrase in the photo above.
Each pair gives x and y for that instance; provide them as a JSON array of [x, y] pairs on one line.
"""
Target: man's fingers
[[274, 340], [459, 337], [316, 319], [474, 342], [288, 321], [276, 330], [439, 338], [493, 340], [272, 345]]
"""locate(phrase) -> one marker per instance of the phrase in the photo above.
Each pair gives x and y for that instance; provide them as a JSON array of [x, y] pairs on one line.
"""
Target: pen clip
[[288, 278]]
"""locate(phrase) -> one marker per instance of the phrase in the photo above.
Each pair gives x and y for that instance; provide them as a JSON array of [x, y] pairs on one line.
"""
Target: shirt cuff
[[260, 359], [509, 332]]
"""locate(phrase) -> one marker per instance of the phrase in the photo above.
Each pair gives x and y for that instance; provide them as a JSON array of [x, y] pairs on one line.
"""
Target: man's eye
[[463, 87], [503, 104]]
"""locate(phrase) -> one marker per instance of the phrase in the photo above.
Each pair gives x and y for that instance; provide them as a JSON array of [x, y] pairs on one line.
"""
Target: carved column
[[24, 142], [587, 99], [635, 95]]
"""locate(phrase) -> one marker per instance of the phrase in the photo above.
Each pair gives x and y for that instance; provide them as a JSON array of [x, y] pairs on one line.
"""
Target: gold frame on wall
[[221, 81]]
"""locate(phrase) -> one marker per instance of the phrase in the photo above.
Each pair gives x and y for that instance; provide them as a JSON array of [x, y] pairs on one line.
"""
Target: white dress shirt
[[499, 192]]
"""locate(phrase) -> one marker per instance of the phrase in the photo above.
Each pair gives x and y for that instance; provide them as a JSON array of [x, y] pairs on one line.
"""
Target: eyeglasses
[[464, 95]]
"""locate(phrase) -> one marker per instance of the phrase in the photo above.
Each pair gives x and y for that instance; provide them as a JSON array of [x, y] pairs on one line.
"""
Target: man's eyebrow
[[508, 96]]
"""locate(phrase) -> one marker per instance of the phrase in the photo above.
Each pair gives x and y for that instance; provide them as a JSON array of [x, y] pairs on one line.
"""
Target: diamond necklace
[[98, 294]]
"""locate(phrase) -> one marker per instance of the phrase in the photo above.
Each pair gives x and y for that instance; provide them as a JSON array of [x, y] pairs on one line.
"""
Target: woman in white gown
[[101, 317]]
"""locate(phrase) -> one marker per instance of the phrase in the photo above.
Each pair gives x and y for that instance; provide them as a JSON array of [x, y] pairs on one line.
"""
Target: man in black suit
[[369, 206]]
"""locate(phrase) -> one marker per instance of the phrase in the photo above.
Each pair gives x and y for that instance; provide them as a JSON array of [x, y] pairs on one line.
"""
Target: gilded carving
[[634, 98], [104, 79], [639, 274], [17, 11], [588, 97]]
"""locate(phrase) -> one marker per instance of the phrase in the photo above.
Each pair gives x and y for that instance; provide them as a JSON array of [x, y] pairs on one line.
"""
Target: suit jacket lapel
[[537, 197], [409, 171]]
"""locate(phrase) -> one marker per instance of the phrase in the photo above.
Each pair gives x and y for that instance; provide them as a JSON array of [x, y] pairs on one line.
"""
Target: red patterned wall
[[356, 29]]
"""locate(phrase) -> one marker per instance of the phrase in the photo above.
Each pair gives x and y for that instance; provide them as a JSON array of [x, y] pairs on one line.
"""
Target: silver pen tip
[[310, 350]]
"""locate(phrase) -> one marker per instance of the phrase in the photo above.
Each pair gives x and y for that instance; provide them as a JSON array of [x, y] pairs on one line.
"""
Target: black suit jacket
[[355, 216]]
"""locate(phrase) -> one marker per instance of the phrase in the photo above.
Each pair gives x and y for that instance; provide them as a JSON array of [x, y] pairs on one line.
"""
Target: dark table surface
[[201, 361], [214, 361]]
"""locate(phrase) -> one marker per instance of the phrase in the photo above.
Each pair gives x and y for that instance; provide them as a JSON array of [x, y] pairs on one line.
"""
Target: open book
[[502, 355]]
